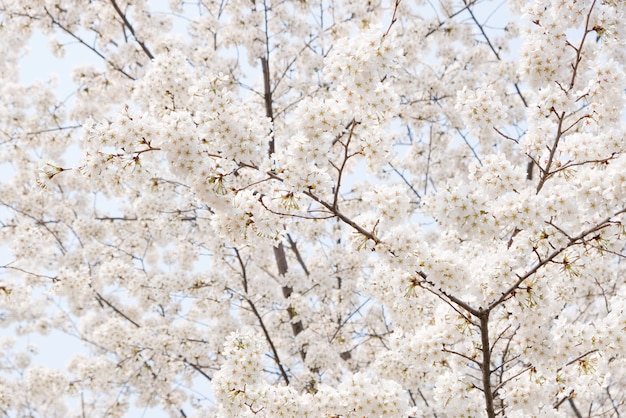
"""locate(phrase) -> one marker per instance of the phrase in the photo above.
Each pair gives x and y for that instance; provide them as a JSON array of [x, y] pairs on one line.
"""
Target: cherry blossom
[[315, 208]]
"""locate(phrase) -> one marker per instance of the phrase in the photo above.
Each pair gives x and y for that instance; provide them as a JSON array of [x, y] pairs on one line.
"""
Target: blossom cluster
[[316, 208]]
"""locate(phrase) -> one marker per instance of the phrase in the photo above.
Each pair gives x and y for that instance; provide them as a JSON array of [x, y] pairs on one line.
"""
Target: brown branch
[[131, 29], [474, 153], [56, 129], [101, 299], [576, 122], [114, 218], [486, 363], [404, 179], [242, 265], [501, 336], [345, 219], [466, 357], [448, 299], [582, 356], [294, 248], [571, 164], [491, 46], [341, 169], [425, 401], [458, 12], [283, 372], [580, 47], [505, 362], [43, 276], [82, 42], [507, 380], [613, 403], [573, 405], [260, 318], [197, 368], [279, 250], [565, 398], [393, 18], [542, 262], [269, 111], [40, 222], [545, 171], [294, 215], [346, 319]]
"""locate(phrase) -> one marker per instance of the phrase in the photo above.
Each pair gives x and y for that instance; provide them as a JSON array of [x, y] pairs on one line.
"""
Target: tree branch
[[131, 29], [572, 241], [82, 42], [486, 363], [268, 338]]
